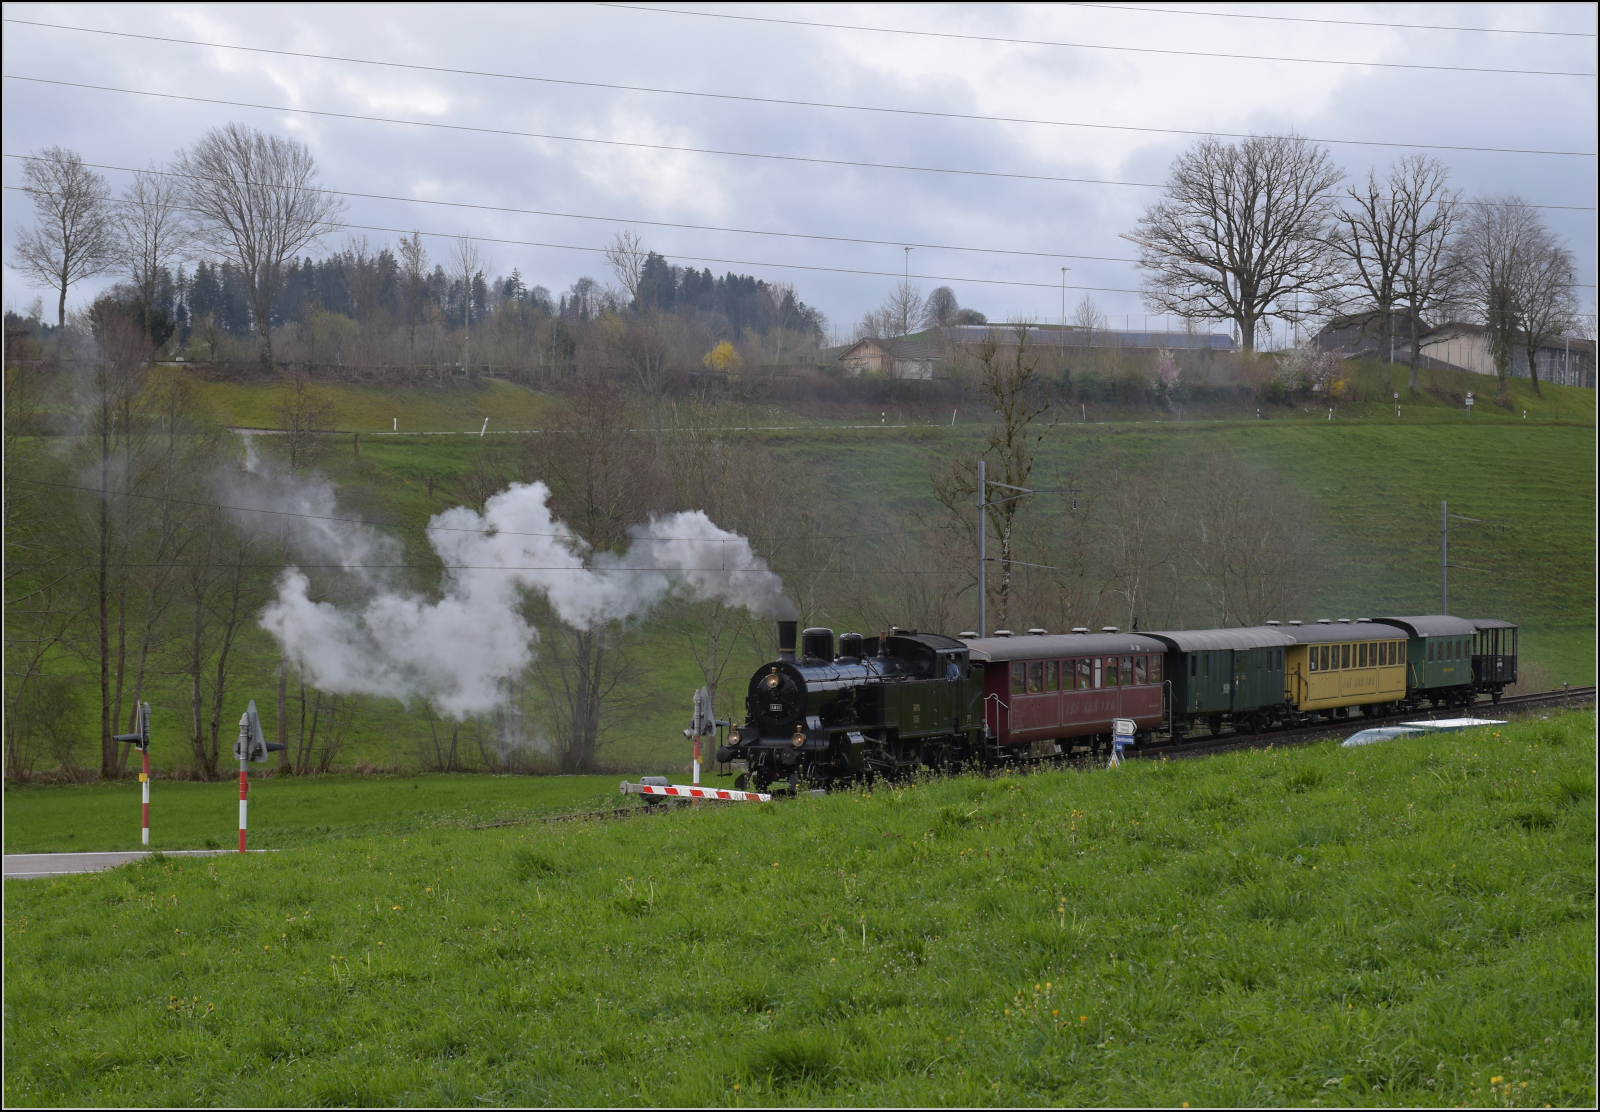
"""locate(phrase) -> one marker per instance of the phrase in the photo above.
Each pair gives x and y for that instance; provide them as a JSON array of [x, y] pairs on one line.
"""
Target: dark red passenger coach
[[1042, 688]]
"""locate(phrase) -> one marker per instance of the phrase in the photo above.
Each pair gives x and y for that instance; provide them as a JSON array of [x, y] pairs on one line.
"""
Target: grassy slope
[[1410, 923], [456, 408], [1374, 483]]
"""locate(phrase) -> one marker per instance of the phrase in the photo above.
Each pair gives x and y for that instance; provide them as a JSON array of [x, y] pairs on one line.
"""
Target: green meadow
[[1370, 485], [1409, 923]]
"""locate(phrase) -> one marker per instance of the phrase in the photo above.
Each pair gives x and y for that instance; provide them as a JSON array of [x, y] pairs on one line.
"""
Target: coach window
[[1194, 665], [1017, 681], [1099, 676], [1127, 671], [1140, 670], [1035, 678], [1364, 654], [1205, 664], [1155, 669], [1344, 655], [1314, 659], [1052, 675], [1085, 679]]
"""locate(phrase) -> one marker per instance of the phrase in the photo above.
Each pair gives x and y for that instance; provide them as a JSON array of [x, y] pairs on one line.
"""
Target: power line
[[718, 261], [627, 219], [1097, 46], [803, 159], [655, 90], [436, 528], [1336, 22]]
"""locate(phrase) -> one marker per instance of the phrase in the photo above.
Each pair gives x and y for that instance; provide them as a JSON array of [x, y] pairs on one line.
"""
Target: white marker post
[[1469, 406], [141, 742], [1397, 403], [484, 429], [251, 746]]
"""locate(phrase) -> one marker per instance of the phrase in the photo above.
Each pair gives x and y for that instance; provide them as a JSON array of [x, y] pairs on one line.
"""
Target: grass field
[[1411, 923], [1371, 483], [285, 811]]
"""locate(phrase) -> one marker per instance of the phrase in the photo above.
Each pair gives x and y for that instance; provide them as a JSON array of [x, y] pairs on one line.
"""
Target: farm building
[[893, 358]]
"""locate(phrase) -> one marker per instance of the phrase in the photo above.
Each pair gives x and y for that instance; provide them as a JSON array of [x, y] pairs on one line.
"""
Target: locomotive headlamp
[[799, 739]]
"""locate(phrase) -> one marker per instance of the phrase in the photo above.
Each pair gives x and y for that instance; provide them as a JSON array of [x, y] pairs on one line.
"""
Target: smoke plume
[[458, 648]]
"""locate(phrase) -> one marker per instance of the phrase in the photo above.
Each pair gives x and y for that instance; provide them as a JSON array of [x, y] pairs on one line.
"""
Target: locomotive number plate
[[775, 708]]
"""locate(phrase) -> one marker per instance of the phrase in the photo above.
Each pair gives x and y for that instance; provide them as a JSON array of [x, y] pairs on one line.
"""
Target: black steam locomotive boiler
[[881, 706]]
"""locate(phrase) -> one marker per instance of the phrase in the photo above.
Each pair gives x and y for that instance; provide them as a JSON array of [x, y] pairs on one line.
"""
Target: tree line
[[243, 207], [1267, 227]]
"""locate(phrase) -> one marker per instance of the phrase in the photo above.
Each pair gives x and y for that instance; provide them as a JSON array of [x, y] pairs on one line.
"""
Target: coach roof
[[1035, 646], [1320, 634], [1435, 625], [1248, 637]]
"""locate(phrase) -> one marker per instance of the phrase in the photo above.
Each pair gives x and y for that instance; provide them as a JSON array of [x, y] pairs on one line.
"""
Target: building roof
[[1251, 637], [1071, 336], [907, 350], [1434, 625], [1052, 647]]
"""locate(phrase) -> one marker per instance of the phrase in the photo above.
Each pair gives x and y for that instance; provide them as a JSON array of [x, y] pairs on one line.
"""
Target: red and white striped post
[[251, 746], [141, 741], [244, 801]]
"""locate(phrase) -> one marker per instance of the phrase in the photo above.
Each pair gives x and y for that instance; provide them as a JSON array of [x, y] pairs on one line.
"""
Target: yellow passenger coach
[[1336, 666]]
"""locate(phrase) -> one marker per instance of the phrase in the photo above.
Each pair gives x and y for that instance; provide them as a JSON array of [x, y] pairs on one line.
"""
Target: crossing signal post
[[251, 746], [141, 742]]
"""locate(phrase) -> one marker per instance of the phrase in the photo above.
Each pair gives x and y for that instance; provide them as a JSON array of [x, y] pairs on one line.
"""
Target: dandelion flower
[[1496, 1080]]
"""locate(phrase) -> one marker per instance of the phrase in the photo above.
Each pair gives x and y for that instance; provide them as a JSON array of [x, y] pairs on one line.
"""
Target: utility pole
[[983, 565], [984, 483]]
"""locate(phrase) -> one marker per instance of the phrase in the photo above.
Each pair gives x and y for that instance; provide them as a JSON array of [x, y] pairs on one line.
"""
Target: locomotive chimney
[[787, 631]]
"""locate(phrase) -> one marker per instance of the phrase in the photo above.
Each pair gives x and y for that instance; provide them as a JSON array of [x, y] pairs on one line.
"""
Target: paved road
[[24, 866]]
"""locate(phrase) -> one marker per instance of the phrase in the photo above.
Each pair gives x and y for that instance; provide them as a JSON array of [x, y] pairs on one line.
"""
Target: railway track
[[1223, 743]]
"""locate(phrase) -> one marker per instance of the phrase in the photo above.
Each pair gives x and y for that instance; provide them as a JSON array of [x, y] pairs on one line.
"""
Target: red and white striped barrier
[[679, 792]]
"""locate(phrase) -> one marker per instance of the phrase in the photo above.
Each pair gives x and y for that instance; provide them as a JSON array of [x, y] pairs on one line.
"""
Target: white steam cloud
[[459, 648]]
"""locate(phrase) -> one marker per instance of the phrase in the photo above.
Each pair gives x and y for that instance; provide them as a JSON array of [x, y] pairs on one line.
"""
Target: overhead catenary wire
[[1167, 51], [440, 528], [1334, 22], [783, 101], [757, 155], [719, 261], [621, 219]]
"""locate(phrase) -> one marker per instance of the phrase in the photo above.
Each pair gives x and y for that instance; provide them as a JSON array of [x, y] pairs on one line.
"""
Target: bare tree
[[1369, 235], [1086, 316], [603, 479], [942, 307], [150, 232], [904, 308], [254, 201], [1543, 286], [467, 264], [1497, 236], [1242, 230], [625, 255], [73, 239], [1248, 548], [1006, 376], [414, 281], [1429, 214]]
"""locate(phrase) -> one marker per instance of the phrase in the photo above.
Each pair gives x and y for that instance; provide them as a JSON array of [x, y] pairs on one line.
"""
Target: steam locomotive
[[903, 701]]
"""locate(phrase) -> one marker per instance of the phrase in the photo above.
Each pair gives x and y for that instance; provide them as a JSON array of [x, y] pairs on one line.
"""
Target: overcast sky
[[628, 185]]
